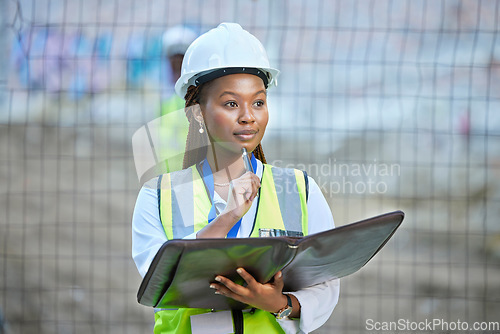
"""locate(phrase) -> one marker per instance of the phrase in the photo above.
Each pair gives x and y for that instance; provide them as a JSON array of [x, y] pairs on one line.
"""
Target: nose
[[247, 115]]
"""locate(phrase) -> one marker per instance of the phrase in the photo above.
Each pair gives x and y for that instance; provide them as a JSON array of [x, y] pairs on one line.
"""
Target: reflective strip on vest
[[184, 204], [302, 190], [183, 200], [164, 197], [288, 198]]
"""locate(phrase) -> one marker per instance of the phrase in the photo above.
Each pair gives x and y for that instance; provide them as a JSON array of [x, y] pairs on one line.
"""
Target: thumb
[[278, 279]]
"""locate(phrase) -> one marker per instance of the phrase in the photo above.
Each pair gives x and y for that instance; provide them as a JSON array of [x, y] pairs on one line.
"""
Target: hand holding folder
[[182, 270]]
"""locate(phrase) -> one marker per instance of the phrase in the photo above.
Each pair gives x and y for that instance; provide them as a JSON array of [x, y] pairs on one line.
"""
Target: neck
[[225, 166]]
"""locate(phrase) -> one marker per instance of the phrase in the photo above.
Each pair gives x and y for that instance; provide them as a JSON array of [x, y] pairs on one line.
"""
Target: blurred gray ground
[[410, 85]]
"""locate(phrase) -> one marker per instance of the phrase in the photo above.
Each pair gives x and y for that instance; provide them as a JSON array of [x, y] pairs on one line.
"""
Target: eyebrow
[[234, 94]]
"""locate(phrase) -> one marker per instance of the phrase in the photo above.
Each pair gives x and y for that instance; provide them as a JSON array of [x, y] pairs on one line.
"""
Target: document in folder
[[182, 270]]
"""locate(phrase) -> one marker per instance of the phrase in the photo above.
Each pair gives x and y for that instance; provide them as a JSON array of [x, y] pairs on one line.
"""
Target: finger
[[221, 290], [250, 177], [247, 194], [230, 285], [256, 190], [248, 191], [256, 181], [254, 194], [242, 187], [246, 186], [246, 276], [253, 178], [278, 280]]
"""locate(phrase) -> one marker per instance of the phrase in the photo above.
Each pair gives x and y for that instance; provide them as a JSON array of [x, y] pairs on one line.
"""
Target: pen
[[246, 160]]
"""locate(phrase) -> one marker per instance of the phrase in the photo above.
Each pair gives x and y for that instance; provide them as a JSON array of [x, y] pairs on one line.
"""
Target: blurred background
[[387, 104]]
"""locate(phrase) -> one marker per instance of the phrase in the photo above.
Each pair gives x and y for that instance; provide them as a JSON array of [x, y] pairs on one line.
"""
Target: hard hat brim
[[189, 79]]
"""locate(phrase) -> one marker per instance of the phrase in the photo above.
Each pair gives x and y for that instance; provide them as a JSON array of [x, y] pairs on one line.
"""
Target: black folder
[[182, 270]]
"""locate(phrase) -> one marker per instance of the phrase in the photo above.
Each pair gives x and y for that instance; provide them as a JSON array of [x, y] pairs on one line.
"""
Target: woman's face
[[234, 109]]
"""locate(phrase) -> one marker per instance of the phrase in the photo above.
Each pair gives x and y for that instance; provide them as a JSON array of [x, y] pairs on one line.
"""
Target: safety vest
[[179, 322], [184, 205]]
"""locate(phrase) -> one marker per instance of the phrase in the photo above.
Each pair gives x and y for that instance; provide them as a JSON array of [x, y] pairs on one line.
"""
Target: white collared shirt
[[317, 302]]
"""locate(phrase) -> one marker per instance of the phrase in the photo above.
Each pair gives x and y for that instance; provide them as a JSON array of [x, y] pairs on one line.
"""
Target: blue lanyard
[[208, 178]]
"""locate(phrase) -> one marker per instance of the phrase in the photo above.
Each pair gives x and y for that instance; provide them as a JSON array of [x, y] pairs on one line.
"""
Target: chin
[[250, 147]]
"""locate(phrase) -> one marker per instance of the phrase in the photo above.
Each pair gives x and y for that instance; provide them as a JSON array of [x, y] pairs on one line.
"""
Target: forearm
[[219, 227]]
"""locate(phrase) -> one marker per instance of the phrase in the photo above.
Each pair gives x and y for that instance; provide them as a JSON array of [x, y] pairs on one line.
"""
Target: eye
[[231, 104], [259, 103]]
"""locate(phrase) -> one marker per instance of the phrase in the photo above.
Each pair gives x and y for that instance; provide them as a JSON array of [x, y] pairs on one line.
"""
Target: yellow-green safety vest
[[179, 322], [184, 202], [184, 206]]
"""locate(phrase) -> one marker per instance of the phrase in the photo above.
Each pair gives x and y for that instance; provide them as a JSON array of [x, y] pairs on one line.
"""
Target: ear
[[197, 113]]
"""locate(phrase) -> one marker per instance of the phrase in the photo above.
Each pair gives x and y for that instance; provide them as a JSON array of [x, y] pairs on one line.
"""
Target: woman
[[225, 76]]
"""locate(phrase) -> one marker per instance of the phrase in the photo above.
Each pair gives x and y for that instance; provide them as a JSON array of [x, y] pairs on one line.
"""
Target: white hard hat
[[177, 39], [224, 50]]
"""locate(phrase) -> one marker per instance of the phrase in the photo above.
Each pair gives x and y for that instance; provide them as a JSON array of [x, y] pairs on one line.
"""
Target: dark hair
[[196, 142]]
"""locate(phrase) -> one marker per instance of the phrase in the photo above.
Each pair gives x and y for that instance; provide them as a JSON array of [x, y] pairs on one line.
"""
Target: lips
[[246, 134]]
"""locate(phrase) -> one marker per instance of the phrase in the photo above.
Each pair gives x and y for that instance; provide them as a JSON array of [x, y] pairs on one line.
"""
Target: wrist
[[282, 303], [287, 310], [218, 228], [229, 216]]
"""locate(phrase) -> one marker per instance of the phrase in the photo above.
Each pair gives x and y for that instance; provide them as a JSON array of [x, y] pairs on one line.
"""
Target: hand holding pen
[[246, 160]]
